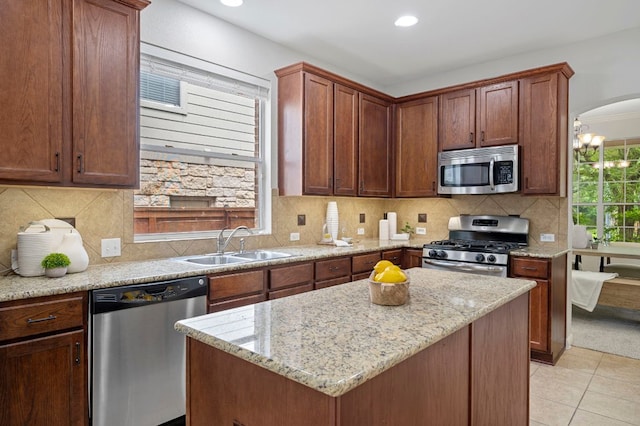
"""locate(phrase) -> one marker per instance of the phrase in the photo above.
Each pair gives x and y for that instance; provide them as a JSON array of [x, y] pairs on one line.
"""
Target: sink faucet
[[222, 243]]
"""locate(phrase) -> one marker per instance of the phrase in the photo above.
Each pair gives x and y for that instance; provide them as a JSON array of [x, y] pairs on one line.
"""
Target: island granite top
[[334, 339]]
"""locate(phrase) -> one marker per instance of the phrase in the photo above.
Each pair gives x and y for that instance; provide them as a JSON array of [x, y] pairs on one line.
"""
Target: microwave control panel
[[503, 172]]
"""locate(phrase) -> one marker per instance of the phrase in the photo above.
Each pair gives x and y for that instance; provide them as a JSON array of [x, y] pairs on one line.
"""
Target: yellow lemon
[[393, 267], [381, 266], [391, 275]]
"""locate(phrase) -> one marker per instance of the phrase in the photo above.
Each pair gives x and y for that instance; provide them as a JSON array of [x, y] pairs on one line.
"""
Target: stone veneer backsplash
[[109, 214]]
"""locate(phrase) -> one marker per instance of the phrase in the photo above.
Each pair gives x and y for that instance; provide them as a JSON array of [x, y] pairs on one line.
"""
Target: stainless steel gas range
[[477, 245]]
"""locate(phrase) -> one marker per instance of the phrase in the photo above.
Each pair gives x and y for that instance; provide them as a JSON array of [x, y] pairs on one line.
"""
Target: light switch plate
[[547, 238], [360, 231], [111, 247], [421, 231], [294, 236]]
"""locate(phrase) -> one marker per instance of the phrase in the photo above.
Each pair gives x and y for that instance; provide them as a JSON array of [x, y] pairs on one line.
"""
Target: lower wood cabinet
[[43, 362], [362, 265], [411, 258], [228, 291], [332, 272], [548, 301], [289, 280]]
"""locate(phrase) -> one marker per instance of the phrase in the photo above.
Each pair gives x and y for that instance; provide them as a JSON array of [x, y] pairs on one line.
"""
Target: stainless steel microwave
[[490, 170]]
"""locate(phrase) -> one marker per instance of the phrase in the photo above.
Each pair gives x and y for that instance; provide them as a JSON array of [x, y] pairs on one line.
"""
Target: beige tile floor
[[586, 388]]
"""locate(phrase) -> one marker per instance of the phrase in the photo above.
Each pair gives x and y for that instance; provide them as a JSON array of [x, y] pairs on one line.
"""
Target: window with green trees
[[606, 190]]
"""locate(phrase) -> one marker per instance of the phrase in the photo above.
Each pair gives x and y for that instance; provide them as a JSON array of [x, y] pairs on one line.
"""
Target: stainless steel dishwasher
[[137, 358]]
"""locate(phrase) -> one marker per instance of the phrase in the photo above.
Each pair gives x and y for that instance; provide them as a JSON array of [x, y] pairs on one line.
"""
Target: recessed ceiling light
[[231, 3], [406, 21]]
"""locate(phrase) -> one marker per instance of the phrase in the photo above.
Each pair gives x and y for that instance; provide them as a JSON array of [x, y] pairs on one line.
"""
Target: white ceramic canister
[[32, 248], [73, 248], [332, 219]]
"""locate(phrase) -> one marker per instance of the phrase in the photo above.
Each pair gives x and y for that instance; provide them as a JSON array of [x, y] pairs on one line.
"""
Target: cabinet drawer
[[360, 276], [290, 291], [42, 315], [394, 256], [529, 267], [364, 262], [331, 283], [225, 286], [235, 303], [290, 276], [334, 268]]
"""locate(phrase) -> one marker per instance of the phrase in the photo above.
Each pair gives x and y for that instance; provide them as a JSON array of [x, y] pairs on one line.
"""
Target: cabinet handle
[[433, 185], [77, 360], [526, 183], [471, 137], [80, 163], [57, 161], [331, 182], [33, 321], [482, 136], [529, 268], [361, 185]]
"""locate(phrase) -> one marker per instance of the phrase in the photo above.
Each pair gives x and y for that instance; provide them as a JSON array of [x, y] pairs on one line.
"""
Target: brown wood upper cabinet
[[416, 147], [544, 105], [374, 148], [332, 135], [484, 116], [76, 124]]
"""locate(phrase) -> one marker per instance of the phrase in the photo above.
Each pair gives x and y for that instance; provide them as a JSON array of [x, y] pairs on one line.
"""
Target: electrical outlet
[[422, 217], [547, 238], [111, 247], [362, 218], [360, 231], [421, 231], [294, 236], [302, 220]]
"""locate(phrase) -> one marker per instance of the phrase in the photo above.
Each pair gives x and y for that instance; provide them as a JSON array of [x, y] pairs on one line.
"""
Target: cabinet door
[[44, 381], [457, 120], [497, 114], [374, 152], [394, 256], [541, 166], [31, 82], [411, 258], [539, 309], [345, 136], [105, 93], [318, 135], [417, 148]]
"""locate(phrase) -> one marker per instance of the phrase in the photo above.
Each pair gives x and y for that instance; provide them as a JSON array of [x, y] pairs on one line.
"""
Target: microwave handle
[[491, 182]]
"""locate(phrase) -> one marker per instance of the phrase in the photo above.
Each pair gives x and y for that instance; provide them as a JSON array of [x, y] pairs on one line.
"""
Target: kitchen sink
[[215, 259], [262, 255]]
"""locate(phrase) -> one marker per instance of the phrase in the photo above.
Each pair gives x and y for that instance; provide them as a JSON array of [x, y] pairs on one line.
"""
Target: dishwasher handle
[[138, 295]]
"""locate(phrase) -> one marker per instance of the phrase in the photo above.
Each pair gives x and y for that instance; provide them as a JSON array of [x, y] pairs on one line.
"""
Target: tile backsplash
[[109, 214]]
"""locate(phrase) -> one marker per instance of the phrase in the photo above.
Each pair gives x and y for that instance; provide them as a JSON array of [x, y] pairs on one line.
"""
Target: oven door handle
[[461, 266], [491, 182]]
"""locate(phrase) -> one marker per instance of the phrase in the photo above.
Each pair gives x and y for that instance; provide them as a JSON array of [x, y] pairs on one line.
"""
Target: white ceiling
[[359, 35]]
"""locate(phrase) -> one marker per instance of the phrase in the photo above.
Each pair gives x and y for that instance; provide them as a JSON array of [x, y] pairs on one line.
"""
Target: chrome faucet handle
[[242, 245]]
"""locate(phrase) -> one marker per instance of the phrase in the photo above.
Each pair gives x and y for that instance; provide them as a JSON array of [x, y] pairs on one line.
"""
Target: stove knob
[[433, 253], [479, 257], [491, 258], [442, 254]]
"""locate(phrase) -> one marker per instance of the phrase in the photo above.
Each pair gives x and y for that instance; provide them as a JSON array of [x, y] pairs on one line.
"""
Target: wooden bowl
[[388, 294]]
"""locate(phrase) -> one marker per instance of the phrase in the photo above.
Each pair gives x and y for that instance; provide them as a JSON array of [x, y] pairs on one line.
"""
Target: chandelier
[[585, 144]]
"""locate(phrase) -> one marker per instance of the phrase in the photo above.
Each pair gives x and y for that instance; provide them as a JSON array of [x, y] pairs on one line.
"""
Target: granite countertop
[[15, 287], [541, 252], [334, 339]]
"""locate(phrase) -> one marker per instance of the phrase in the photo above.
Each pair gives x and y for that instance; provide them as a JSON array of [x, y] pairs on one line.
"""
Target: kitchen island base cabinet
[[478, 375]]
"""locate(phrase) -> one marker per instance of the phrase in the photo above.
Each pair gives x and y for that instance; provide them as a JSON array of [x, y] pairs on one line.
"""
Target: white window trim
[[263, 87]]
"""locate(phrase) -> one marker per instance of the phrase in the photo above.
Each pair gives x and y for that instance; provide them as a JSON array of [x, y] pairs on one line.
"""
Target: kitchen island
[[456, 353]]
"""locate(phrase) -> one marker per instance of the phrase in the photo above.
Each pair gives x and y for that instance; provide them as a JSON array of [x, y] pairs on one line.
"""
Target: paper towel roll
[[384, 229], [392, 217]]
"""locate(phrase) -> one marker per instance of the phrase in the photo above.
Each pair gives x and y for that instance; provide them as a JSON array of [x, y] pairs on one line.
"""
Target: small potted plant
[[407, 229], [55, 264]]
